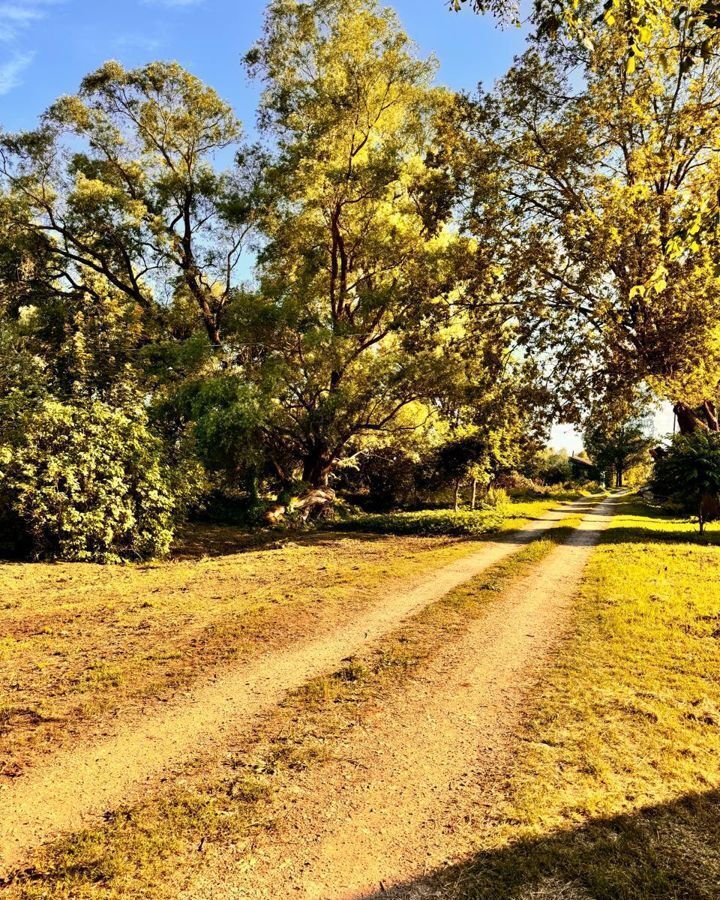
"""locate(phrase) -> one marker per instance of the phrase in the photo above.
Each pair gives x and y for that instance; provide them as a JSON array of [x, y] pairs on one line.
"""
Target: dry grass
[[152, 848], [614, 792], [79, 643]]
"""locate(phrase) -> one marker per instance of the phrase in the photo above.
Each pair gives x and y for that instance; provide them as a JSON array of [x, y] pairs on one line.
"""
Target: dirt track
[[74, 788], [436, 756]]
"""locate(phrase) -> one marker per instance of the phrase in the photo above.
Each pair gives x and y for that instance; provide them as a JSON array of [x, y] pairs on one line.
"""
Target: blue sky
[[46, 46]]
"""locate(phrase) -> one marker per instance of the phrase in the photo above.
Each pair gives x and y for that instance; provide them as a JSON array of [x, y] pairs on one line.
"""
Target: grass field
[[433, 522], [613, 792]]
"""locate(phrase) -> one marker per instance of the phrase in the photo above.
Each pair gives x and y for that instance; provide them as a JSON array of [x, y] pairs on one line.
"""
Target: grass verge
[[449, 522], [615, 791]]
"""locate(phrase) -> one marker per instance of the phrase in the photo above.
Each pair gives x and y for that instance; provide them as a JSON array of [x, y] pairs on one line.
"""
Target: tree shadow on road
[[667, 851]]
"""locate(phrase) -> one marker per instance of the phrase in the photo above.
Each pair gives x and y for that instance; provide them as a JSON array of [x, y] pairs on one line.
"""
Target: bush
[[85, 483], [689, 472]]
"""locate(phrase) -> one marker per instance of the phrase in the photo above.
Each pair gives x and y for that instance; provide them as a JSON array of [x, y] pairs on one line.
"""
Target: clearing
[[94, 775], [548, 728]]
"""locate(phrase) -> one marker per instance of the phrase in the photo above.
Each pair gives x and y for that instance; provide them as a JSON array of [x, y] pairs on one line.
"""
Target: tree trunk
[[474, 494], [317, 466], [704, 418], [689, 420], [456, 496]]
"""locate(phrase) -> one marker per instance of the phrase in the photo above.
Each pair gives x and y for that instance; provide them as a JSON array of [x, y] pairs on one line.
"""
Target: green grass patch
[[473, 523]]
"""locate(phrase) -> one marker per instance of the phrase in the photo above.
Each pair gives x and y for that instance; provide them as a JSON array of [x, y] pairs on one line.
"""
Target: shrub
[[86, 483], [689, 472]]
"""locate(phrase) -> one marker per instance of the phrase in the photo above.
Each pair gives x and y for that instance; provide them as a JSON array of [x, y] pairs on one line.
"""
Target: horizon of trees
[[437, 277]]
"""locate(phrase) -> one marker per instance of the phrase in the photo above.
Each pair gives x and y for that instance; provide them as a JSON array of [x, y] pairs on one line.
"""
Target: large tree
[[603, 176], [618, 446], [359, 272], [118, 187]]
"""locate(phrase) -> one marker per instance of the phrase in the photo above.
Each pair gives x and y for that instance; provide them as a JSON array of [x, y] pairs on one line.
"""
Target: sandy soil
[[436, 755], [75, 787]]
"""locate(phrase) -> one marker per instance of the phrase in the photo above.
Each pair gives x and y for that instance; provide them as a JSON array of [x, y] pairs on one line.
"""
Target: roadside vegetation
[[436, 278], [501, 516]]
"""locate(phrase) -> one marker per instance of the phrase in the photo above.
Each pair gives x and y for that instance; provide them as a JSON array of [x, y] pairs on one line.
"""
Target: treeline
[[394, 272]]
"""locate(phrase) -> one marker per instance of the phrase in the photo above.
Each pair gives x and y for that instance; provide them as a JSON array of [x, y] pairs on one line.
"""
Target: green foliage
[[119, 183], [592, 181], [360, 257], [427, 522], [550, 467], [616, 447], [86, 482], [224, 416], [689, 472]]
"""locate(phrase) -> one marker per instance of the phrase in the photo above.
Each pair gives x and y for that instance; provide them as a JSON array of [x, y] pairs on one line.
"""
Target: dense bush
[[84, 482], [689, 473]]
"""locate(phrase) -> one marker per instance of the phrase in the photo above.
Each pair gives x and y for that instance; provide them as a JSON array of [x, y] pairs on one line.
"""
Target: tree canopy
[[397, 286], [604, 177]]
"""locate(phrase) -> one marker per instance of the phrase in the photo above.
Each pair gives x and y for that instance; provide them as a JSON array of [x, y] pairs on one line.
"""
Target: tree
[[359, 264], [617, 447], [118, 188], [604, 178], [495, 408], [633, 20]]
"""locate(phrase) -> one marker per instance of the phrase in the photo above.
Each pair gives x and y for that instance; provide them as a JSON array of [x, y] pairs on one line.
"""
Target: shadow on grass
[[666, 851], [225, 540], [200, 541]]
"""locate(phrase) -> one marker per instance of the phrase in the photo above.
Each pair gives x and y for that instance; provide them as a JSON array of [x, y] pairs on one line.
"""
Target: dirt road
[[435, 756], [74, 788]]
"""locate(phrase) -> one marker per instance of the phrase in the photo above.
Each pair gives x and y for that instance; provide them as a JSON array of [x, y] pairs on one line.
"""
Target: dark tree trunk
[[456, 496], [317, 466], [704, 418]]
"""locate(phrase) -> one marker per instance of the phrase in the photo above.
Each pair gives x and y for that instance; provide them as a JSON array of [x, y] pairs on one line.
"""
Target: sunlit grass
[[477, 522], [613, 794], [613, 789]]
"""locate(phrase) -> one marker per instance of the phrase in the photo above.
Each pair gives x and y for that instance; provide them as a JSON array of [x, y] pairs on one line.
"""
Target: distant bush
[[85, 482], [427, 522]]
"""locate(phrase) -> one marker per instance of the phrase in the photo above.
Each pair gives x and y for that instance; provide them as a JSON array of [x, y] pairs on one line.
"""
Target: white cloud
[[18, 15], [11, 71], [16, 18]]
